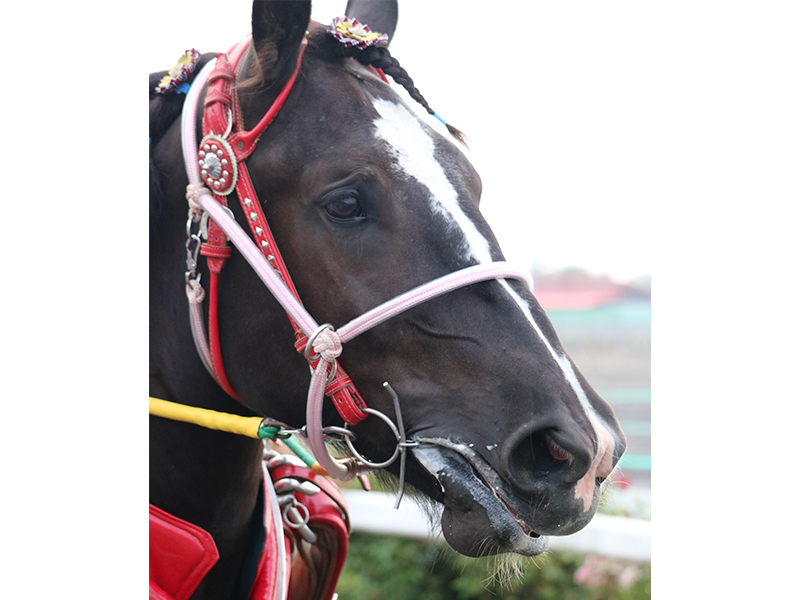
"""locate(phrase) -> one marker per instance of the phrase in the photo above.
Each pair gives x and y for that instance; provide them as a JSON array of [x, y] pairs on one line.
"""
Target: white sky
[[557, 120]]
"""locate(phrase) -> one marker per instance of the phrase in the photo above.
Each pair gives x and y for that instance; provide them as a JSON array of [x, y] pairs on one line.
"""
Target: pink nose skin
[[601, 466]]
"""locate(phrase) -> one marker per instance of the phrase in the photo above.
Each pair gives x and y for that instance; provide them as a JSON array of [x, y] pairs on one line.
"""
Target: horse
[[364, 201]]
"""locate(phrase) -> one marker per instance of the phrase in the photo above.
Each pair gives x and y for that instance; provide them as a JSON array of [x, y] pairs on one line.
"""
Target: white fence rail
[[617, 537]]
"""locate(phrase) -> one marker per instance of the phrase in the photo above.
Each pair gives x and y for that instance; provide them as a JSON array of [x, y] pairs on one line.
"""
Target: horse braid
[[380, 58]]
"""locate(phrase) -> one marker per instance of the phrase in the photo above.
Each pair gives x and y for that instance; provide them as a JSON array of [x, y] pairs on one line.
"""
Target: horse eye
[[345, 208]]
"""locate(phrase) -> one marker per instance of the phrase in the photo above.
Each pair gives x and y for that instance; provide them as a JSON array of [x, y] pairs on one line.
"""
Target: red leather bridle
[[221, 159]]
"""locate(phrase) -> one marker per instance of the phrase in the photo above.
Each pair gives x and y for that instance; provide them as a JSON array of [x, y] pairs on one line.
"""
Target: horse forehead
[[416, 155]]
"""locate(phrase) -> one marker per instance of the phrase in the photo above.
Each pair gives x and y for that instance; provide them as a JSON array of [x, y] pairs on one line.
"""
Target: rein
[[321, 344]]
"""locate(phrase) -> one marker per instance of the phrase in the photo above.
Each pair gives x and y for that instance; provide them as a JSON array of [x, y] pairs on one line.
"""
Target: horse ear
[[379, 15], [278, 29]]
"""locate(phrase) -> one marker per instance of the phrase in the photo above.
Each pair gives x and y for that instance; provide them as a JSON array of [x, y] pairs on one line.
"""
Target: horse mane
[[164, 111], [165, 108]]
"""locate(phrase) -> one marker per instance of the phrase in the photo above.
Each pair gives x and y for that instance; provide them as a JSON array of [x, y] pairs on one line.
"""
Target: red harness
[[222, 152]]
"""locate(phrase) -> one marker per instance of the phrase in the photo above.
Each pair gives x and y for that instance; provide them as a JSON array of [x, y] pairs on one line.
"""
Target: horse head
[[366, 201]]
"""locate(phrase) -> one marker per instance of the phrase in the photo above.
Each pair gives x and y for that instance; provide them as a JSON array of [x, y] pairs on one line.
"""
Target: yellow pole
[[210, 419]]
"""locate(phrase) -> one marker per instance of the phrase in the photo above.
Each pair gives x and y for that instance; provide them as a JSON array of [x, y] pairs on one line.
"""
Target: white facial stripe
[[413, 149], [603, 459]]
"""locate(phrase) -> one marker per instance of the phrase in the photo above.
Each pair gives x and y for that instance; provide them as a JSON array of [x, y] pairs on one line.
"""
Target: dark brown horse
[[365, 201]]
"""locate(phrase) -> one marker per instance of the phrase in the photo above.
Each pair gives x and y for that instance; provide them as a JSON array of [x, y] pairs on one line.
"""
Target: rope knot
[[325, 342], [195, 292], [328, 345], [193, 193]]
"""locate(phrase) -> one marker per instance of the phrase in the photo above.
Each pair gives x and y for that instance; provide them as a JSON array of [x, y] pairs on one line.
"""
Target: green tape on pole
[[270, 432], [300, 451]]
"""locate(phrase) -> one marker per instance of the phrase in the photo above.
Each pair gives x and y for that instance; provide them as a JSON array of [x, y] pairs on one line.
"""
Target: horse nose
[[539, 457], [543, 455]]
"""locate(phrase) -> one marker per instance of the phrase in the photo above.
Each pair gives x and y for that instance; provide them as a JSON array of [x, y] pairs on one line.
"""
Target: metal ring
[[331, 375], [342, 431], [291, 523], [312, 338], [393, 427], [230, 124], [204, 225]]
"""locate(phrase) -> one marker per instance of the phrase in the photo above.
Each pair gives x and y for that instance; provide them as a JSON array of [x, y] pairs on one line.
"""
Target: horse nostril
[[555, 450], [543, 456]]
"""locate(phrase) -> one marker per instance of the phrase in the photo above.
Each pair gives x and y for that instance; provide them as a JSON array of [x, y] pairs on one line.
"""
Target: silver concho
[[217, 164]]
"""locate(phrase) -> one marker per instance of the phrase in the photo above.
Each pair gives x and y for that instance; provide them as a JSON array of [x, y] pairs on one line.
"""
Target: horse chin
[[476, 521]]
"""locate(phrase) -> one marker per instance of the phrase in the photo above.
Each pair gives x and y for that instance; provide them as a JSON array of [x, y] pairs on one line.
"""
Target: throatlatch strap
[[221, 115]]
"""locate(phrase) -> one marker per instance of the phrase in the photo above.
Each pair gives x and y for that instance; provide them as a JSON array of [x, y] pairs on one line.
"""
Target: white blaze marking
[[414, 151]]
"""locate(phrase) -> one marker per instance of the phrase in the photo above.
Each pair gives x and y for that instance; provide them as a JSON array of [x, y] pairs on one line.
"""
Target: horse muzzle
[[483, 515]]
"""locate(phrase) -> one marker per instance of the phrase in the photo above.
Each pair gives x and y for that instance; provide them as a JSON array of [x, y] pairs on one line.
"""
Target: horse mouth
[[477, 520]]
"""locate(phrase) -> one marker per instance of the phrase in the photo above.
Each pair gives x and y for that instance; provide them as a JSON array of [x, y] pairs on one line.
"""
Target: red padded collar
[[180, 556]]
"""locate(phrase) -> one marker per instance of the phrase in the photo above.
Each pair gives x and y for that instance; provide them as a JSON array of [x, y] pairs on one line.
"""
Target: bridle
[[229, 144]]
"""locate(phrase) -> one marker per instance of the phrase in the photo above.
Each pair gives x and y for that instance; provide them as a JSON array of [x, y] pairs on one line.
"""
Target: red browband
[[222, 152]]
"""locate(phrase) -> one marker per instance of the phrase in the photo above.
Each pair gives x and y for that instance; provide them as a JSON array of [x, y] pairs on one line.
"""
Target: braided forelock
[[379, 57]]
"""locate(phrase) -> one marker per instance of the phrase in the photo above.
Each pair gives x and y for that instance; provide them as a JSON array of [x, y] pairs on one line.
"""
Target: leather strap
[[221, 113]]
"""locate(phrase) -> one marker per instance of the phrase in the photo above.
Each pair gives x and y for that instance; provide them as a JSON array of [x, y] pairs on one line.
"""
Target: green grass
[[393, 568]]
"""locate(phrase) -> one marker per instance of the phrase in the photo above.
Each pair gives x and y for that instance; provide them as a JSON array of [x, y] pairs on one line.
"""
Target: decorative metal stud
[[213, 167], [248, 203], [218, 164], [253, 216], [259, 231], [264, 244]]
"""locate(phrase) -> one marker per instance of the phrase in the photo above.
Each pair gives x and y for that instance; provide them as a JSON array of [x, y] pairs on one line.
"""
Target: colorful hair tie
[[179, 74], [352, 33]]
